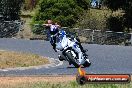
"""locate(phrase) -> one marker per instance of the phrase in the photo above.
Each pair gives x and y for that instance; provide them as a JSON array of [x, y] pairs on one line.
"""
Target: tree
[[85, 4], [115, 24], [126, 6], [65, 12], [114, 4], [30, 4], [10, 9]]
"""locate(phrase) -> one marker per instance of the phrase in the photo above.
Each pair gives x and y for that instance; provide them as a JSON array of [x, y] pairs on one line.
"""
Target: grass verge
[[52, 82], [10, 59], [72, 85]]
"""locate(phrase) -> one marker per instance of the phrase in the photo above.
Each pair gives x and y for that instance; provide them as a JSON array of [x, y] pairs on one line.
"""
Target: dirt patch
[[50, 79], [10, 59]]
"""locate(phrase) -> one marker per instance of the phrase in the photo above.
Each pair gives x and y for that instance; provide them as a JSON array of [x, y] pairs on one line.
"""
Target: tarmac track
[[105, 58]]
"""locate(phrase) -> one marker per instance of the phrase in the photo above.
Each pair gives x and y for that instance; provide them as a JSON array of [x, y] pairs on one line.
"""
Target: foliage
[[65, 12], [126, 6], [10, 9], [38, 29], [85, 4], [114, 4], [94, 19], [115, 24], [30, 4]]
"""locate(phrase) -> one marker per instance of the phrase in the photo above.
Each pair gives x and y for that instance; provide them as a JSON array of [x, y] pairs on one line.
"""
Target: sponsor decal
[[83, 78]]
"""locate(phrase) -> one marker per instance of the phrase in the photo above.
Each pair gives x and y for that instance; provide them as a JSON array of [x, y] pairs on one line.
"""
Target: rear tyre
[[81, 80]]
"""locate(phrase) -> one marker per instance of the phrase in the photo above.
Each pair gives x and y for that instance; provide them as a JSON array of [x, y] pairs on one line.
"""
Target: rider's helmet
[[60, 35]]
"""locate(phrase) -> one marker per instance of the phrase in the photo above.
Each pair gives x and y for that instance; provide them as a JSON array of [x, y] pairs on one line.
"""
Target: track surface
[[104, 58]]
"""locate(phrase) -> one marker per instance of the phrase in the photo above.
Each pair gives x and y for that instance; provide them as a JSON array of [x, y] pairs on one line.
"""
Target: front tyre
[[71, 59]]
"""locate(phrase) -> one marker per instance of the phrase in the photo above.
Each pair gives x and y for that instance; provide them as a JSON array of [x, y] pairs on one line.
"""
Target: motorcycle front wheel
[[71, 59]]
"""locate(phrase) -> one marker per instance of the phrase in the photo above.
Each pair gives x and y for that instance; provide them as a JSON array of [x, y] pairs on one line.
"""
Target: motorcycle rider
[[64, 41], [54, 32], [53, 29], [77, 40]]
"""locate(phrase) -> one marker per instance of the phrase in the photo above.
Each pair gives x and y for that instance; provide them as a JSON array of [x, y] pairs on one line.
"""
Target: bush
[[30, 4], [65, 12], [115, 24], [10, 9], [38, 29], [93, 19], [126, 7]]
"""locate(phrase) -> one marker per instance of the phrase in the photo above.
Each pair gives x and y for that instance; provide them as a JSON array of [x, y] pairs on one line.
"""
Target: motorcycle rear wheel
[[86, 64]]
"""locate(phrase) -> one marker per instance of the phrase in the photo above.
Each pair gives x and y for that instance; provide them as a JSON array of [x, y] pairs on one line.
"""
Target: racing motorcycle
[[64, 48]]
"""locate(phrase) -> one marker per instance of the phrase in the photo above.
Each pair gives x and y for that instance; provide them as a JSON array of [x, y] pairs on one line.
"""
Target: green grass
[[66, 85]]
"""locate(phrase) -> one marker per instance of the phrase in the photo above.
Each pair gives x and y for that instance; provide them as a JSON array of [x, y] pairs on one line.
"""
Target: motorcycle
[[66, 52]]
